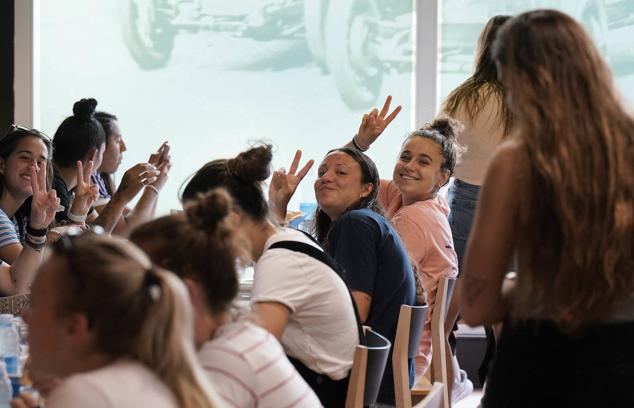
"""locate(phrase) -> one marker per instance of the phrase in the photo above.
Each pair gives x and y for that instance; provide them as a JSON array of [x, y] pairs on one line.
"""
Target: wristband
[[356, 145], [76, 218], [153, 188], [36, 246], [35, 232]]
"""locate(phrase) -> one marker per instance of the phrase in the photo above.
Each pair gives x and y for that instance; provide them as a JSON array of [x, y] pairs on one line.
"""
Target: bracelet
[[153, 188], [35, 240], [356, 145], [36, 232], [76, 218], [36, 246]]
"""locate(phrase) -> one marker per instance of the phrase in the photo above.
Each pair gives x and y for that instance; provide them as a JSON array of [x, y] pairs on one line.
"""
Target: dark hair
[[369, 174], [444, 132], [10, 142], [484, 83], [105, 119], [242, 176], [200, 244], [78, 134]]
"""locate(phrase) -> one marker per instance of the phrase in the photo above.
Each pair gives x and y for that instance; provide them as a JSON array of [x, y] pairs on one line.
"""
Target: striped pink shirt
[[248, 368]]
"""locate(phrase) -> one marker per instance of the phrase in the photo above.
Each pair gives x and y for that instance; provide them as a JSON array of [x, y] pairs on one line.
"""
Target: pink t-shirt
[[425, 231]]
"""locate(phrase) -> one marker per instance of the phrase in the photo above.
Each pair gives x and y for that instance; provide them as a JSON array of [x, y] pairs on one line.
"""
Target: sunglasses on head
[[15, 129]]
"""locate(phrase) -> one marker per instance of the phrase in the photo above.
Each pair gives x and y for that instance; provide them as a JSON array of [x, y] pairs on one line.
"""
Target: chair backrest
[[438, 338], [435, 397], [367, 370], [411, 321]]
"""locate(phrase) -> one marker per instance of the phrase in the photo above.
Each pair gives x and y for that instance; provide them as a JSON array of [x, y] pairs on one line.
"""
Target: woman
[[349, 224], [137, 351], [559, 195], [79, 143], [104, 176], [24, 158], [296, 290], [426, 162], [202, 248]]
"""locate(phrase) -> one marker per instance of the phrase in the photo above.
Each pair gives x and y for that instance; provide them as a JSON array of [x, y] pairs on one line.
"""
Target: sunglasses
[[17, 129]]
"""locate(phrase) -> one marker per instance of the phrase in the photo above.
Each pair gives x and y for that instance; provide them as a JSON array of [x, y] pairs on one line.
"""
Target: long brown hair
[[484, 83], [577, 240], [148, 317]]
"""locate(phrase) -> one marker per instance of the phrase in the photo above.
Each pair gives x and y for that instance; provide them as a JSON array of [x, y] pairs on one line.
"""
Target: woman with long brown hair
[[559, 195]]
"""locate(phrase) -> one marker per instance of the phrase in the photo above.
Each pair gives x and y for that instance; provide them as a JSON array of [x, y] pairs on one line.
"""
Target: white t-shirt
[[322, 329], [249, 369], [122, 384]]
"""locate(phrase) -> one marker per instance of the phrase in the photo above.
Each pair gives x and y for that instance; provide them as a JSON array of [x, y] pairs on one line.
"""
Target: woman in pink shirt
[[426, 161]]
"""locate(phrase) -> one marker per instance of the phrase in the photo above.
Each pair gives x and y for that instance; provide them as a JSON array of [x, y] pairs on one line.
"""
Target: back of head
[[77, 135], [148, 317], [578, 224], [201, 244], [241, 176], [444, 131], [484, 84]]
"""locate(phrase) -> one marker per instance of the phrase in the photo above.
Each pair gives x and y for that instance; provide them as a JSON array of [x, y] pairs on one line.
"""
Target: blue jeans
[[463, 198]]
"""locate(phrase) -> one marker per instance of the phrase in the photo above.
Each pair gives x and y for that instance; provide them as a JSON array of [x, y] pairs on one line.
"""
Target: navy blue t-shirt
[[375, 262]]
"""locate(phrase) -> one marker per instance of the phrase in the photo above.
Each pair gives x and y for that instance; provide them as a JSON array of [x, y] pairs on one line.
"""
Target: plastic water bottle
[[308, 210], [5, 387], [9, 345]]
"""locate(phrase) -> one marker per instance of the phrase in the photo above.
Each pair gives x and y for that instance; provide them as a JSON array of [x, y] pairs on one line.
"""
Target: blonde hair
[[135, 310], [577, 240]]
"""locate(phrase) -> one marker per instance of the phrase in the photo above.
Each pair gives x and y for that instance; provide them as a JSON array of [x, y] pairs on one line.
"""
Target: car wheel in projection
[[315, 14], [147, 32], [352, 30]]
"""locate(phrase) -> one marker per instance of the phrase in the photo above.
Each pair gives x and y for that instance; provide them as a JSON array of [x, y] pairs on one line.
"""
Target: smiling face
[[16, 169], [115, 146], [417, 173], [339, 184]]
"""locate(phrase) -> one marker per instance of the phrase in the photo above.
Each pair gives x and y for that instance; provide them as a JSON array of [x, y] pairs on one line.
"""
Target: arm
[[272, 316], [132, 182], [43, 207], [364, 303], [10, 252], [492, 240]]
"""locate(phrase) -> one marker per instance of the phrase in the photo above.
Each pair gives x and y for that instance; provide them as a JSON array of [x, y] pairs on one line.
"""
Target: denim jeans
[[463, 198]]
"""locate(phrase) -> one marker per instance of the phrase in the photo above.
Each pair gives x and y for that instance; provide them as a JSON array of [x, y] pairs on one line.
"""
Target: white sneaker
[[461, 389]]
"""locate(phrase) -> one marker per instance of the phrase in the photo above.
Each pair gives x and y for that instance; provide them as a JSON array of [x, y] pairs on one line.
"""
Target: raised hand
[[134, 179], [44, 203], [374, 123], [283, 185], [164, 169], [86, 192]]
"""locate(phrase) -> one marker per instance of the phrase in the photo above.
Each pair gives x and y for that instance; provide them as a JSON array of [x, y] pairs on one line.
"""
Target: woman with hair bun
[[296, 292], [79, 143], [116, 329], [201, 246]]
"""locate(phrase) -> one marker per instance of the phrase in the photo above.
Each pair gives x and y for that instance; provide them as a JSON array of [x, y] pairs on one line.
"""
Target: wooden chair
[[411, 321], [367, 370], [435, 397], [439, 371]]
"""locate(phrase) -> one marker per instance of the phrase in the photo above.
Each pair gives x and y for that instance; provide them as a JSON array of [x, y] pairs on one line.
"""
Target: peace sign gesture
[[374, 123], [86, 192], [283, 185], [44, 203]]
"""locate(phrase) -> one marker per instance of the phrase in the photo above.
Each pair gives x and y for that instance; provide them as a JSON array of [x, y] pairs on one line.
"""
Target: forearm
[[481, 302], [111, 214], [23, 270], [143, 210]]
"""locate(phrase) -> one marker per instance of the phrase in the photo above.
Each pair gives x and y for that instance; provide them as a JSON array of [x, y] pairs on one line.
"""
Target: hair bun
[[84, 109], [252, 165], [208, 210], [450, 128]]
